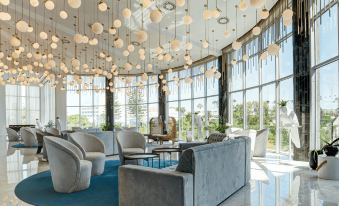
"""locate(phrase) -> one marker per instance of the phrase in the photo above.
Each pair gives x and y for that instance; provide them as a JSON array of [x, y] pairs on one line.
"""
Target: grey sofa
[[206, 175], [70, 172]]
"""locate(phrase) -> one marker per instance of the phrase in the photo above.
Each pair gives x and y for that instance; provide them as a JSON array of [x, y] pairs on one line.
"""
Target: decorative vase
[[313, 161]]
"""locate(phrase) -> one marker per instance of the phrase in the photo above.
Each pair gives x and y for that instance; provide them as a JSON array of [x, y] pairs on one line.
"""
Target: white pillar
[[2, 110]]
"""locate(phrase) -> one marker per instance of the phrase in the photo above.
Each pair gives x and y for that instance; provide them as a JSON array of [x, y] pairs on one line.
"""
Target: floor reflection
[[275, 180]]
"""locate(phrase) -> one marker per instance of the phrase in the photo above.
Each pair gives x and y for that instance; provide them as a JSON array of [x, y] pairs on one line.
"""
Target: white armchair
[[260, 144], [28, 135], [12, 135], [130, 142], [70, 172], [53, 131], [92, 148]]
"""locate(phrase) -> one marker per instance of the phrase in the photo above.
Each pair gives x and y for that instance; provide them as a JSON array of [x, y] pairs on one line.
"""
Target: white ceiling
[[88, 14]]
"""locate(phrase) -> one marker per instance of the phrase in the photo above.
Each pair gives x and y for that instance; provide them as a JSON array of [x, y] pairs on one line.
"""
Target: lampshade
[[141, 51], [245, 57], [273, 49], [215, 13], [217, 75], [43, 35], [242, 5], [130, 48], [125, 53], [93, 41], [226, 34], [22, 26], [78, 38], [155, 16], [97, 28], [75, 62], [187, 19], [54, 45], [118, 43], [188, 80], [257, 3], [160, 57], [205, 44], [36, 45], [141, 36], [138, 66], [158, 50], [287, 14], [117, 23], [63, 14], [128, 66], [102, 6], [149, 67], [263, 56], [75, 4], [206, 14], [112, 30], [180, 3], [15, 41], [30, 29], [236, 45], [142, 57], [256, 31], [188, 46], [4, 16], [34, 3], [144, 77], [49, 5], [168, 57], [126, 13], [263, 14], [1, 55], [85, 39], [175, 45]]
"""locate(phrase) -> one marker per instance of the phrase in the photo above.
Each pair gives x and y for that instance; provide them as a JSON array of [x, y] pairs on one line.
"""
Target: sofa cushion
[[186, 162], [216, 137]]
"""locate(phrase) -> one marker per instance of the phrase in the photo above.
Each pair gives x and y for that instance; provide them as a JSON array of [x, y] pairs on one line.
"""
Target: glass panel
[[153, 110], [119, 116], [185, 90], [252, 72], [286, 58], [86, 98], [153, 93], [269, 110], [236, 77], [198, 86], [328, 103], [100, 98], [86, 117], [268, 69], [73, 117], [212, 86], [252, 107], [199, 119], [237, 109], [99, 116], [173, 91], [72, 98], [213, 113], [185, 121], [142, 118]]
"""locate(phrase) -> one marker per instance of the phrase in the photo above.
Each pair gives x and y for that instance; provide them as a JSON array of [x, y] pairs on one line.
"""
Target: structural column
[[302, 79], [109, 108]]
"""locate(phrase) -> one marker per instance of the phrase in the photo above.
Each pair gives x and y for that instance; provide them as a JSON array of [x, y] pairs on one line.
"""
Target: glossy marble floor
[[275, 180]]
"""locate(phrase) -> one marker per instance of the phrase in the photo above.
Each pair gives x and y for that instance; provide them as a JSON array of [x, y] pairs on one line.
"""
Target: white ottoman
[[330, 170]]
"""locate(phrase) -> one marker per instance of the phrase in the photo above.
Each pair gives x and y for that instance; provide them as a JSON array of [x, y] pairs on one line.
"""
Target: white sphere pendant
[[141, 36], [155, 16], [97, 28], [75, 4]]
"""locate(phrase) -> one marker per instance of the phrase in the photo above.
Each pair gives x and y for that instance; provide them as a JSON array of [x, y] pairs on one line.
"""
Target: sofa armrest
[[187, 145], [140, 185]]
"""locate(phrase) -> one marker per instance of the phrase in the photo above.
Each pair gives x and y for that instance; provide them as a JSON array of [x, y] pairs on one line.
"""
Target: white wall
[[60, 105], [2, 110]]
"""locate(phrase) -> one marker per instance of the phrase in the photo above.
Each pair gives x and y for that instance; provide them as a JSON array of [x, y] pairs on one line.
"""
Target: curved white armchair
[[28, 135], [53, 131], [12, 135], [70, 172], [130, 142], [92, 148], [260, 144]]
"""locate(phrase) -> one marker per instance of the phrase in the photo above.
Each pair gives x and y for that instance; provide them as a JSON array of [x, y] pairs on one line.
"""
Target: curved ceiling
[[45, 20]]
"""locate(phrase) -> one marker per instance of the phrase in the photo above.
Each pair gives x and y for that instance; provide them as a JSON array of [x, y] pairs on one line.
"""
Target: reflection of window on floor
[[22, 104], [86, 103]]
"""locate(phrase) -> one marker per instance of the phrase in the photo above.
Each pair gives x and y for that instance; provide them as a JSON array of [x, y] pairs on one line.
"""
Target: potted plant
[[222, 128], [330, 149], [50, 124]]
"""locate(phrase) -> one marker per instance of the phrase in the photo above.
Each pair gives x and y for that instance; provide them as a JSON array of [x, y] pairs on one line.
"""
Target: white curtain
[[47, 104]]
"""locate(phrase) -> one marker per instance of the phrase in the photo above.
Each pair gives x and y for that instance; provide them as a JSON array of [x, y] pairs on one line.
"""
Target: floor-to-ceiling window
[[257, 81], [22, 104], [86, 100], [194, 104], [325, 72], [135, 101]]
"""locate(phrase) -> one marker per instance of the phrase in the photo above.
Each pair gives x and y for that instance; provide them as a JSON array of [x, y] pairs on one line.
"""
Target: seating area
[[169, 103]]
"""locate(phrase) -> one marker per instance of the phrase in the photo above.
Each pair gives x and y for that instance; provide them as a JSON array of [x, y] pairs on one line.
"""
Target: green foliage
[[282, 103], [105, 127], [50, 124], [221, 128], [75, 119]]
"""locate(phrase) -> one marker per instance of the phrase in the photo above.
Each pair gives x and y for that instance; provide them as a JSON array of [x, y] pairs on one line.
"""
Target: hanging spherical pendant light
[[273, 49], [125, 53], [97, 28], [205, 44], [36, 45], [180, 3], [78, 38], [168, 57], [215, 13], [206, 14], [54, 45], [63, 14], [75, 4], [264, 13], [112, 30], [43, 35], [22, 26], [15, 41], [158, 50], [34, 3], [102, 6], [257, 3], [118, 43], [126, 13], [245, 57], [226, 34], [188, 46], [263, 56], [93, 41], [30, 29], [117, 23], [128, 66], [155, 16], [4, 2], [242, 5], [236, 45], [4, 16], [138, 66], [130, 48], [141, 36], [75, 62], [256, 30], [49, 5], [187, 19], [175, 45]]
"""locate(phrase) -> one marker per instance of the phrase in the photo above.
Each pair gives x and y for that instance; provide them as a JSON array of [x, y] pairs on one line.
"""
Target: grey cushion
[[186, 162], [133, 150], [216, 137]]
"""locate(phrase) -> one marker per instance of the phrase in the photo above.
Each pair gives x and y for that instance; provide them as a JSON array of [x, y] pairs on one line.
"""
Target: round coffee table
[[143, 156], [169, 150]]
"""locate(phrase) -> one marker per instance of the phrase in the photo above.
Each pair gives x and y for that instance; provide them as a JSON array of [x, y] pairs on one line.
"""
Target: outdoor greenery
[[75, 119]]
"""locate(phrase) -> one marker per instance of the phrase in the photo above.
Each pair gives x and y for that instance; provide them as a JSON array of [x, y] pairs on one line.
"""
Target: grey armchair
[[70, 172], [12, 135], [92, 148], [53, 131], [28, 135], [130, 142]]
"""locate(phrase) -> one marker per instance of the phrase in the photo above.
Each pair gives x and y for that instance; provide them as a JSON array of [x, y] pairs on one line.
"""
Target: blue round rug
[[38, 189], [20, 145]]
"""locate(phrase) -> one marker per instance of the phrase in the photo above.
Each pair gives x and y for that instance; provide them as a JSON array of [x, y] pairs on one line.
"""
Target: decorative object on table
[[330, 149], [328, 167], [130, 142], [13, 136], [28, 136], [50, 124], [164, 150], [71, 175], [58, 124], [171, 131], [39, 124], [289, 121], [189, 137], [260, 144], [156, 126], [92, 149]]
